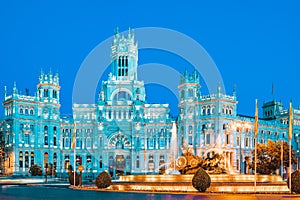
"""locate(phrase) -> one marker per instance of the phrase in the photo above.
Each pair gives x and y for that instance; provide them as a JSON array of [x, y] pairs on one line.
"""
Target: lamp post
[[80, 169]]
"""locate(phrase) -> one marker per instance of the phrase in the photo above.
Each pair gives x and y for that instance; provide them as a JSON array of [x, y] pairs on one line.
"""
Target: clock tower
[[124, 56]]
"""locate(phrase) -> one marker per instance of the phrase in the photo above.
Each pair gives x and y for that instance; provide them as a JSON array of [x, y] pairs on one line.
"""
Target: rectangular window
[[247, 142], [207, 139], [227, 139], [54, 140], [238, 140], [100, 142], [26, 138], [190, 140], [162, 143]]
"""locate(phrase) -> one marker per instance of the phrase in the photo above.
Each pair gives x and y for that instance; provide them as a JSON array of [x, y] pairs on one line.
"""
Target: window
[[32, 158], [78, 142], [122, 96], [21, 159], [100, 162], [45, 159], [46, 93], [67, 162], [26, 159], [54, 94], [227, 139], [46, 139], [21, 111], [100, 142], [109, 114], [207, 141], [26, 138], [190, 92], [31, 112], [137, 161], [203, 110], [89, 162], [247, 142], [88, 143], [238, 138], [190, 140], [54, 140], [54, 160], [26, 111]]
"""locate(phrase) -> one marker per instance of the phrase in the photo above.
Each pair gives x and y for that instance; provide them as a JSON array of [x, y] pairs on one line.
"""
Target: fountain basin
[[232, 183]]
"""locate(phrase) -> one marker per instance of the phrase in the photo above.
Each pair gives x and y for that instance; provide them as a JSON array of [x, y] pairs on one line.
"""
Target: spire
[[186, 73], [15, 91], [129, 34], [234, 90], [5, 91], [219, 88]]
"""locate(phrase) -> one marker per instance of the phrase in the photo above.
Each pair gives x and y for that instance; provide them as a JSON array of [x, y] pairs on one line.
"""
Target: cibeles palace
[[123, 133]]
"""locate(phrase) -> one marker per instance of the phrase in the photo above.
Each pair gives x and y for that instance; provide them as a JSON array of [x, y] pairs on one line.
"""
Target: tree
[[269, 157]]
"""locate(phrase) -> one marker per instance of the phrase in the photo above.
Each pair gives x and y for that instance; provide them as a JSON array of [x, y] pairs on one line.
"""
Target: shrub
[[296, 181], [36, 170], [103, 180], [201, 180], [71, 178]]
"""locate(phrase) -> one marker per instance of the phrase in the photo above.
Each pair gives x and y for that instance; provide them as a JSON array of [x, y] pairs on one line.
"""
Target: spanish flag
[[291, 122], [74, 137], [256, 119]]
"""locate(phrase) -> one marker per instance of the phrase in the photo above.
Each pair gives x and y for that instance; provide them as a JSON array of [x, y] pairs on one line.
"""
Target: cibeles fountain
[[181, 169]]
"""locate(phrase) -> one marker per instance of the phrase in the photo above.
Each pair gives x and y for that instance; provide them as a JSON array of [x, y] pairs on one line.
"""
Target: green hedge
[[103, 180], [296, 181], [201, 180]]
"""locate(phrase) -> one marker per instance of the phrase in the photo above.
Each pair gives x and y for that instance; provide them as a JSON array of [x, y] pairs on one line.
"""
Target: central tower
[[124, 56]]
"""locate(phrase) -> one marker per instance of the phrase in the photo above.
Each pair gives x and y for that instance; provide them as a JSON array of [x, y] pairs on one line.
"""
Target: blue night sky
[[254, 44]]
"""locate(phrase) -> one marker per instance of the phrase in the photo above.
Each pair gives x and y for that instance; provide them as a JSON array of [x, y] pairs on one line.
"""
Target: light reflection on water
[[9, 192]]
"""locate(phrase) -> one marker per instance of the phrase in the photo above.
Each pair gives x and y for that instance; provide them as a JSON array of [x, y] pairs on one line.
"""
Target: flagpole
[[255, 143], [74, 166], [74, 148], [281, 158], [290, 168], [290, 135]]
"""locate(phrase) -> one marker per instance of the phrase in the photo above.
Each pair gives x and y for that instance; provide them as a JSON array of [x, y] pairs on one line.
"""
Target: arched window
[[21, 159], [119, 63], [208, 110], [100, 162], [122, 61], [122, 96], [32, 158], [203, 110], [45, 159], [26, 111], [31, 112], [46, 93], [126, 63], [213, 110], [26, 159], [21, 111]]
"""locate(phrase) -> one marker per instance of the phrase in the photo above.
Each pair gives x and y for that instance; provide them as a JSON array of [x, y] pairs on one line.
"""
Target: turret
[[48, 87], [124, 57]]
